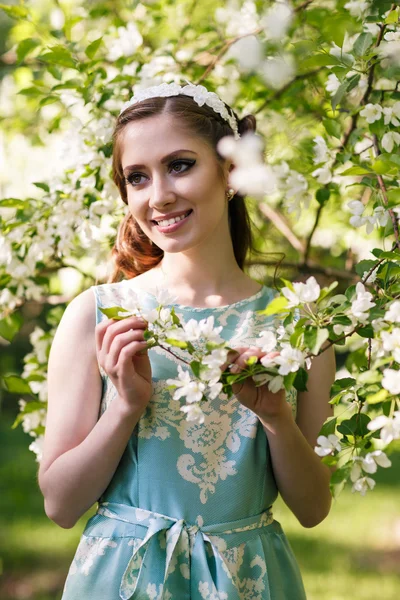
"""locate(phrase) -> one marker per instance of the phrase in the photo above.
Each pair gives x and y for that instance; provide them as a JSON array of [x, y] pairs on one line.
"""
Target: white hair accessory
[[199, 93]]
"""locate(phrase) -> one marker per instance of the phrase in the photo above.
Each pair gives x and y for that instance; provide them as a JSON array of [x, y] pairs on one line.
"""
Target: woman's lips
[[174, 226]]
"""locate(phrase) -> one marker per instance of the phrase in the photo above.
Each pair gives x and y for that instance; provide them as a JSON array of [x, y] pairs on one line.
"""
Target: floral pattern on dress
[[207, 456]]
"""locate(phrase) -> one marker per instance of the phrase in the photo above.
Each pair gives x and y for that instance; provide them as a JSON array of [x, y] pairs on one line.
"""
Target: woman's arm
[[81, 452], [302, 479]]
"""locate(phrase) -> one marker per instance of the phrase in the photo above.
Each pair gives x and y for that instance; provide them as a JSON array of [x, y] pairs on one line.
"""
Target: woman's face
[[171, 173]]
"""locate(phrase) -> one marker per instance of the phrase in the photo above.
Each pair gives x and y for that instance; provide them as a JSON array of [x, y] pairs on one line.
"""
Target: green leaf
[[16, 385], [332, 127], [362, 43], [49, 100], [340, 92], [341, 384], [383, 167], [16, 12], [322, 195], [59, 55], [25, 47], [390, 254], [10, 325], [356, 426], [277, 305], [392, 17], [31, 92], [356, 171], [93, 47], [366, 332], [41, 185], [314, 338], [394, 196], [175, 319], [176, 343], [378, 397], [14, 203], [300, 381], [320, 60], [112, 312], [195, 366], [329, 427]]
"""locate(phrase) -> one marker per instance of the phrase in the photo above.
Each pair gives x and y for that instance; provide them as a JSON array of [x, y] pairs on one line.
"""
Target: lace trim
[[255, 296]]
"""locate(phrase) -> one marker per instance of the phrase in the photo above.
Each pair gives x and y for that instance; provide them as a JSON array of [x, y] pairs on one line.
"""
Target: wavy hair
[[133, 253]]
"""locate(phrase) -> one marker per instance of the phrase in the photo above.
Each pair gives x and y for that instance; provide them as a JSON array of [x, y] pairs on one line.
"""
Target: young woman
[[184, 508]]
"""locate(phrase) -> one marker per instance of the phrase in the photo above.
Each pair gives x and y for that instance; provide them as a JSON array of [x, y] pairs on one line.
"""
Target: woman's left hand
[[264, 403]]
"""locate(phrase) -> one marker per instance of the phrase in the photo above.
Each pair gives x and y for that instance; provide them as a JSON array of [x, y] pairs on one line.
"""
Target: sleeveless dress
[[187, 514]]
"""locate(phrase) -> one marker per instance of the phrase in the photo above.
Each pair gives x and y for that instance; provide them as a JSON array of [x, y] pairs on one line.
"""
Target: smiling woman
[[184, 509]]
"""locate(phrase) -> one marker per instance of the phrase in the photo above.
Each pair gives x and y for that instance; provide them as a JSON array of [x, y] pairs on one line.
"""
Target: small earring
[[230, 193]]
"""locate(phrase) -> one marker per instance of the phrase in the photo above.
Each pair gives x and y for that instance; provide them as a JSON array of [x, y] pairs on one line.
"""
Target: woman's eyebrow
[[163, 160]]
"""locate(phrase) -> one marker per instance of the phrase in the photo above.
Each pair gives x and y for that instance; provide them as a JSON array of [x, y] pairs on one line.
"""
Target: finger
[[240, 362], [114, 366], [115, 328], [232, 355]]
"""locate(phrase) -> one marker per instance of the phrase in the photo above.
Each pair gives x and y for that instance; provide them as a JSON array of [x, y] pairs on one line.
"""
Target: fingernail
[[234, 368]]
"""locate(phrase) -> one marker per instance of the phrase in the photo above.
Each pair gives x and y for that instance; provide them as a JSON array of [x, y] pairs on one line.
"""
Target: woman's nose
[[161, 192]]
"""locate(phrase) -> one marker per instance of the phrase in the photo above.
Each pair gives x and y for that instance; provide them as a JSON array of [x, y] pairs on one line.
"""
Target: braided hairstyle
[[133, 253]]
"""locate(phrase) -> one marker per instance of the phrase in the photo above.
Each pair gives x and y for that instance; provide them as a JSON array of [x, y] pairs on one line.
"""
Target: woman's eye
[[134, 178], [187, 163]]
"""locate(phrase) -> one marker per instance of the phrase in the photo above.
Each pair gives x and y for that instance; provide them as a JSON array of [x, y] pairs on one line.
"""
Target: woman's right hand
[[118, 344]]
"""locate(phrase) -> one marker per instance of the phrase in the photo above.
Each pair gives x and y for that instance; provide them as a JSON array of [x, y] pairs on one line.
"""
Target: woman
[[184, 508]]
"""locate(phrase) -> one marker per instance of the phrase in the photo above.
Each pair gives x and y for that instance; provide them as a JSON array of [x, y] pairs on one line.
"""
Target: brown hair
[[133, 253]]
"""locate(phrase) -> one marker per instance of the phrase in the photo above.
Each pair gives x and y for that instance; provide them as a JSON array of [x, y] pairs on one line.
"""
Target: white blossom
[[194, 413], [327, 444], [303, 292], [390, 139], [323, 175], [392, 113], [216, 358], [277, 70], [37, 447], [332, 84], [290, 359], [357, 8], [247, 51], [126, 44], [393, 313], [193, 390], [276, 20], [371, 112], [390, 427], [391, 380], [321, 151], [363, 484], [369, 464], [339, 54], [391, 342], [275, 382], [267, 341], [362, 303]]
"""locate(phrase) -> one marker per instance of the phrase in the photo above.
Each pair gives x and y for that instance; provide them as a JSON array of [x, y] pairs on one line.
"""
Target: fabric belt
[[185, 549]]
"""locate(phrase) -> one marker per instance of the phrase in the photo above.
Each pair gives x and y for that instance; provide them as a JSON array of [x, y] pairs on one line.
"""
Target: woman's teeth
[[171, 221]]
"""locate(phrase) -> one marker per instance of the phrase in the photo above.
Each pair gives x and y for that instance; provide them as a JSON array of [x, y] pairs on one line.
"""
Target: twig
[[279, 93], [282, 225], [223, 51], [310, 267]]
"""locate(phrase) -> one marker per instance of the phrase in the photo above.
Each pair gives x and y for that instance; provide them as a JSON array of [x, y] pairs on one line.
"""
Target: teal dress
[[188, 512]]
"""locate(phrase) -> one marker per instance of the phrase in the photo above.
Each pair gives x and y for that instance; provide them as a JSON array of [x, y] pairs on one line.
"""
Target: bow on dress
[[185, 550]]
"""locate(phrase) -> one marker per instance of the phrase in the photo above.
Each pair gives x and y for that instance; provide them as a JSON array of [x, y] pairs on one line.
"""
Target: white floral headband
[[199, 93]]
